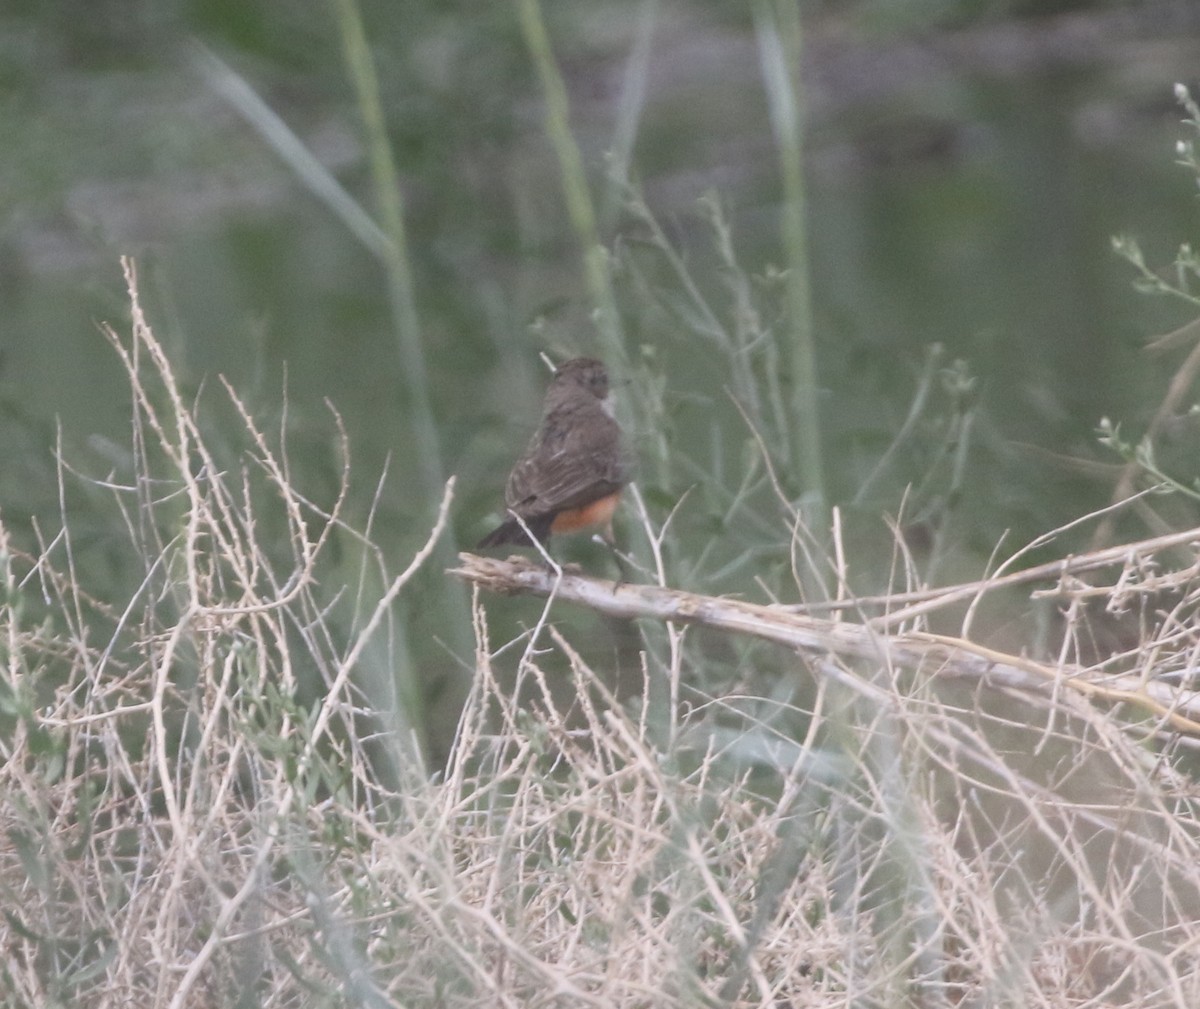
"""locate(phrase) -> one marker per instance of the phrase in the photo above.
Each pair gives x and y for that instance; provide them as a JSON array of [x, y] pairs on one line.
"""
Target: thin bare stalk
[[580, 209], [777, 24]]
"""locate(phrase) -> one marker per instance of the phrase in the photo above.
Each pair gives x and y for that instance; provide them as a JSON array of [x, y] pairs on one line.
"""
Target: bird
[[569, 478]]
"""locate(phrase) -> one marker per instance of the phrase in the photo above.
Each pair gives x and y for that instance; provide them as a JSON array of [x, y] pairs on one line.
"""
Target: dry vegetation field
[[950, 826]]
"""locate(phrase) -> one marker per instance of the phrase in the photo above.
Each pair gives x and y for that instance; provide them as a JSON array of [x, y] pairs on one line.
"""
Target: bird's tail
[[510, 531]]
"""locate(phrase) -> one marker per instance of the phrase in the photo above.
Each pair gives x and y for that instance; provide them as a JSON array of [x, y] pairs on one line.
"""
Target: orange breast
[[598, 513]]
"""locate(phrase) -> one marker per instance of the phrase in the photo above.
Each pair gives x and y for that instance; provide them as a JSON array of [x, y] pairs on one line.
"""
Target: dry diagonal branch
[[1171, 709]]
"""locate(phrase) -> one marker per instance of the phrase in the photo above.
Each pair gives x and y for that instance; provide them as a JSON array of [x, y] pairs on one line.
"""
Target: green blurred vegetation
[[964, 168]]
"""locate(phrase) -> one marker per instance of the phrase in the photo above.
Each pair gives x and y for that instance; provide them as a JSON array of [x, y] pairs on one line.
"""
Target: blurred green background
[[967, 164]]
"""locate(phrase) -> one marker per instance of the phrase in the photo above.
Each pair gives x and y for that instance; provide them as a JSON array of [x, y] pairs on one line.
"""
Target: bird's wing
[[572, 462]]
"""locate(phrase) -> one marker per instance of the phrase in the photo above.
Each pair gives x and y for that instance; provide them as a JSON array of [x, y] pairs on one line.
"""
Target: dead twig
[[1172, 709]]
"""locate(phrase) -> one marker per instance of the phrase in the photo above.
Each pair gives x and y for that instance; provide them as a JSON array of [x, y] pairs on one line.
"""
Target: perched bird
[[571, 475]]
